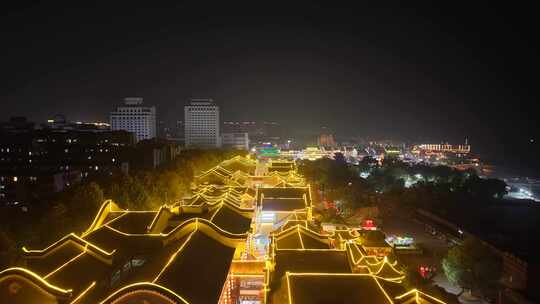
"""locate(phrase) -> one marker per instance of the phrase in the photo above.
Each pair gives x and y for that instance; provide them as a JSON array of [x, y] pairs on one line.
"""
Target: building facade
[[201, 124], [239, 141], [259, 132], [326, 140], [134, 117], [35, 163]]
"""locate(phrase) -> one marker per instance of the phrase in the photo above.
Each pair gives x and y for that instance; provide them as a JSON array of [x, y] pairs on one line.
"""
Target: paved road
[[434, 249]]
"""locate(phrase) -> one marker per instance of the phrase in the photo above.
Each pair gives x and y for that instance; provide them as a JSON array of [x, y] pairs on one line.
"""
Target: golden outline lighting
[[167, 234]]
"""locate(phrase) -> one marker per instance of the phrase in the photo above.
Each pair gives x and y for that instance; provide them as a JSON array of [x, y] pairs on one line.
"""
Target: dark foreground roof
[[199, 271], [332, 261], [283, 204], [335, 289], [283, 198], [190, 262]]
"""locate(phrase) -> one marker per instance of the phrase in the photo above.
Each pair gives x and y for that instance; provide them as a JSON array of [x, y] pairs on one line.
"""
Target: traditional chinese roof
[[46, 261], [415, 296], [231, 218], [235, 171], [373, 238], [216, 175], [212, 194], [331, 288], [20, 285], [284, 199], [287, 179], [280, 166], [300, 237], [198, 269], [134, 222], [313, 273], [129, 249], [359, 257], [240, 163], [345, 235], [333, 261], [293, 221], [183, 253]]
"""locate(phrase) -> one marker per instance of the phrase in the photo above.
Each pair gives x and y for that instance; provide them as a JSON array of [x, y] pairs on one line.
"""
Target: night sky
[[433, 73]]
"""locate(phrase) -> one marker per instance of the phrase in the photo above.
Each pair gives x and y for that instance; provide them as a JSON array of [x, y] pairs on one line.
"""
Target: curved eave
[[171, 295], [36, 280], [72, 237]]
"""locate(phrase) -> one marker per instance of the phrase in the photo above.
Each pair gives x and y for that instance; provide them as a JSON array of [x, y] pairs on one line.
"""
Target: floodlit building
[[134, 117], [201, 124], [259, 132], [326, 140], [458, 149], [267, 151], [275, 205], [314, 153], [281, 165]]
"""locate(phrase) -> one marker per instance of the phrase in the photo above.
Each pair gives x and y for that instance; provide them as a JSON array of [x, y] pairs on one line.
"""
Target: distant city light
[[364, 174]]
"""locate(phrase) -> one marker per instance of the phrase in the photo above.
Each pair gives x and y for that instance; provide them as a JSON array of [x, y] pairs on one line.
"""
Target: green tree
[[472, 265], [139, 198], [170, 187], [119, 190], [87, 198], [329, 216], [367, 164], [488, 188], [8, 250]]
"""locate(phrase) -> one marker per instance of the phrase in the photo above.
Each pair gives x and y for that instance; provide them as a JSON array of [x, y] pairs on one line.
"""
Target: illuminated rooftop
[[201, 249]]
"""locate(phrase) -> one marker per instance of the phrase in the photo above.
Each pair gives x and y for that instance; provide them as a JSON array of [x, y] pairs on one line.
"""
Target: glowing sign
[[369, 225], [400, 241]]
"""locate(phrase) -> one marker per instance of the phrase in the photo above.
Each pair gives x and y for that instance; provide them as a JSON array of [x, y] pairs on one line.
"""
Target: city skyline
[[382, 72]]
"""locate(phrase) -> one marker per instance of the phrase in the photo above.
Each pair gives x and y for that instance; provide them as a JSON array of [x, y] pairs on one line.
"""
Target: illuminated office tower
[[134, 117], [201, 124]]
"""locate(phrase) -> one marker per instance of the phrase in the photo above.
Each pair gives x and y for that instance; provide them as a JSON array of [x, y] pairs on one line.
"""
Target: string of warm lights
[[248, 264]]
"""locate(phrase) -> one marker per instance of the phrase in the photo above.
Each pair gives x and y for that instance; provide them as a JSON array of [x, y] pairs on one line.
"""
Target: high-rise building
[[134, 117], [201, 124], [326, 140], [258, 131], [238, 141]]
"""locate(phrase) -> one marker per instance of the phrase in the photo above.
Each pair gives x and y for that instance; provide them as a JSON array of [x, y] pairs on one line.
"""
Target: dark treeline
[[73, 209], [396, 182]]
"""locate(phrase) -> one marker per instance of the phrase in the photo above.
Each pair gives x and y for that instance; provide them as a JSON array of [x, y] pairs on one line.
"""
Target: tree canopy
[[472, 265], [73, 209]]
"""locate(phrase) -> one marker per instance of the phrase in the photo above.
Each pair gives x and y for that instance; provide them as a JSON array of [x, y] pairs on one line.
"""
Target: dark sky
[[440, 73]]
